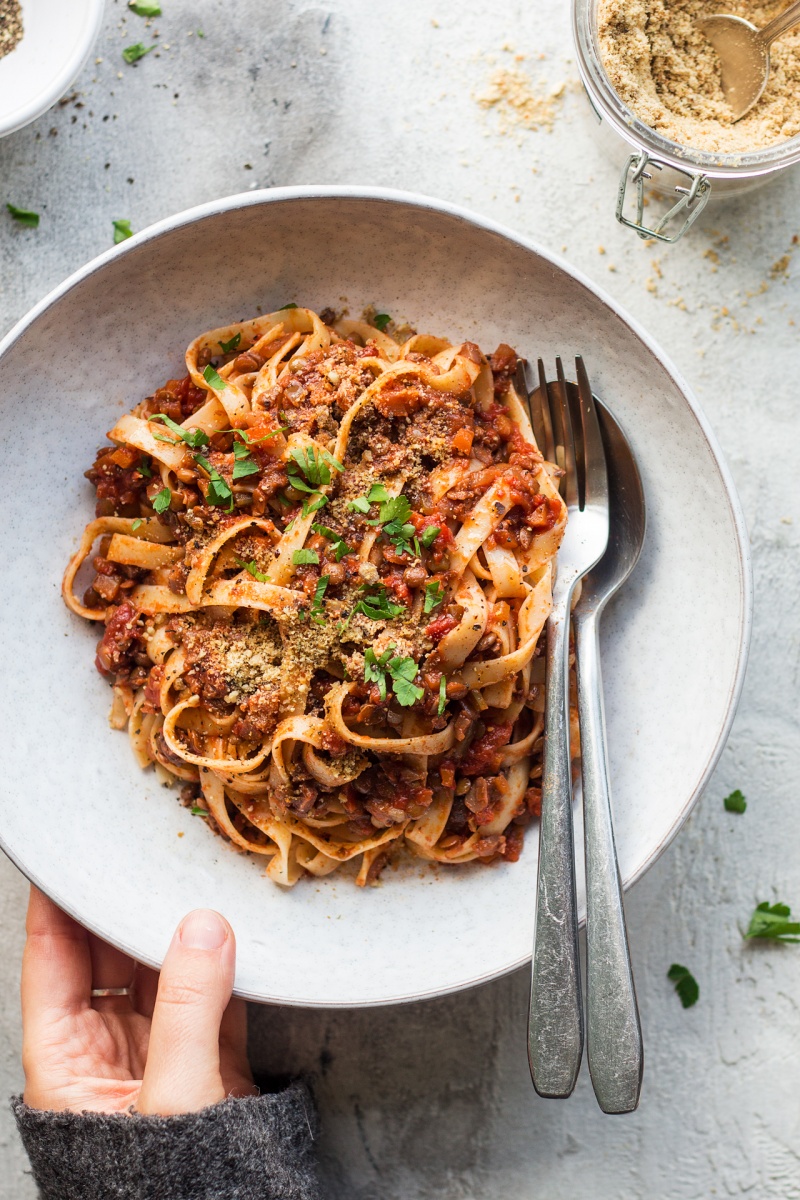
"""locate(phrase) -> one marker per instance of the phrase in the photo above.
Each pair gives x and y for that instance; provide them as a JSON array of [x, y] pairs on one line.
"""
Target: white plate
[[80, 818], [58, 37]]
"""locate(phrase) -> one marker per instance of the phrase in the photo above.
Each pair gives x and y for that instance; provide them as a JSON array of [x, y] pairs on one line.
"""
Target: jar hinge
[[692, 199]]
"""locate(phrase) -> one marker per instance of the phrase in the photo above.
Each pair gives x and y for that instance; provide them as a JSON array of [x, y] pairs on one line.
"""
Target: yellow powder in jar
[[667, 72]]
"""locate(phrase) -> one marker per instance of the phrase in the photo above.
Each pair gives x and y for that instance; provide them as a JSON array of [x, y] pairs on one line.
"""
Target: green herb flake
[[312, 506], [314, 465], [218, 493], [252, 569], [340, 546], [283, 307], [771, 921], [686, 985], [143, 467], [735, 803], [132, 54], [200, 33], [192, 437], [162, 500], [243, 464], [136, 524], [144, 9], [301, 557], [429, 535], [317, 609], [403, 672], [378, 607], [377, 494], [214, 379], [381, 320], [434, 595], [25, 216], [233, 344], [197, 811], [375, 668], [360, 504], [442, 696]]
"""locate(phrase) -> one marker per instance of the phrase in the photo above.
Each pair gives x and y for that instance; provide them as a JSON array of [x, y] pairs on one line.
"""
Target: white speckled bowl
[[80, 818], [57, 40]]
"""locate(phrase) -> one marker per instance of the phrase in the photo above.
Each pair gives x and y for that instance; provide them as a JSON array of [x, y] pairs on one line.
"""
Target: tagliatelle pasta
[[323, 561]]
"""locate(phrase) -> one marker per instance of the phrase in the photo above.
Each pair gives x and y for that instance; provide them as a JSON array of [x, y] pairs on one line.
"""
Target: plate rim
[[417, 200]]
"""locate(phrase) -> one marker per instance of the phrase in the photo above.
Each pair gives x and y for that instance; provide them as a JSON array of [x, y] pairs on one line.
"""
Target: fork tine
[[547, 445], [594, 457], [563, 422]]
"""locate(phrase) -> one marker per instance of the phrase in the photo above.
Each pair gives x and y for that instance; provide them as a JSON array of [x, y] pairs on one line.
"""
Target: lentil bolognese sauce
[[323, 560]]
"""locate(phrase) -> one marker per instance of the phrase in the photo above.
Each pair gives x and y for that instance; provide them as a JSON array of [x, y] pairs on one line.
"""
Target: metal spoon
[[614, 1035], [743, 52]]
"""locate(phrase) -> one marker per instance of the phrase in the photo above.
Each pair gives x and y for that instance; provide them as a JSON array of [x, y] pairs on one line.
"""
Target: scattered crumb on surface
[[519, 102]]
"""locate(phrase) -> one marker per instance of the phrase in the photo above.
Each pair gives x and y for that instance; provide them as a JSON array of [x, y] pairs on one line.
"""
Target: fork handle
[[614, 1034], [555, 1026]]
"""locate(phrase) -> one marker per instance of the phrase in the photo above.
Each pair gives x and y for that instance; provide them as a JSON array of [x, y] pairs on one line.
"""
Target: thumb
[[182, 1073]]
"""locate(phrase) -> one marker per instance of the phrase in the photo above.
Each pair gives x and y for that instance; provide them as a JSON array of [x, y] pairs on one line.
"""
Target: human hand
[[176, 1044]]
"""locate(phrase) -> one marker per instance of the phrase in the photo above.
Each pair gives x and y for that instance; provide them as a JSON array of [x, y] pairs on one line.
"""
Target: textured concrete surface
[[433, 1100]]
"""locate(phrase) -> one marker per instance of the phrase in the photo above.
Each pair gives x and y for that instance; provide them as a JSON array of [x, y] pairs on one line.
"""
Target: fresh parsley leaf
[[143, 467], [686, 985], [162, 500], [375, 668], [132, 54], [213, 378], [243, 464], [735, 802], [252, 569], [304, 556], [360, 504], [442, 696], [314, 465], [381, 320], [136, 524], [200, 33], [378, 607], [340, 546], [434, 595], [218, 492], [233, 344], [144, 9], [771, 921], [193, 437], [25, 216], [317, 609], [377, 494], [403, 672], [429, 535], [395, 510], [283, 307], [197, 811], [122, 231], [311, 506], [251, 441]]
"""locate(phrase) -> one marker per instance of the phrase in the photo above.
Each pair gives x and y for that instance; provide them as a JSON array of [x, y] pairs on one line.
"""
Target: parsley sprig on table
[[772, 921], [391, 667], [686, 985], [735, 803]]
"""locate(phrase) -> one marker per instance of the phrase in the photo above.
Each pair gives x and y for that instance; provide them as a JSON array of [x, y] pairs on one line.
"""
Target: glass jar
[[689, 177]]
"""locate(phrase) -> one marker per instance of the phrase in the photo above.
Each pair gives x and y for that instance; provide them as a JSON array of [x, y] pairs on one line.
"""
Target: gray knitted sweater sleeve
[[253, 1149]]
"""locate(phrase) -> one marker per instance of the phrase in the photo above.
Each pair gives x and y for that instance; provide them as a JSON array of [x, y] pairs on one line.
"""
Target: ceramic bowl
[[115, 848], [57, 40]]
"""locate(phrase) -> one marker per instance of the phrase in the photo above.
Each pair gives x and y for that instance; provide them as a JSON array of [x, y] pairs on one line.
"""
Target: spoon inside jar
[[743, 53]]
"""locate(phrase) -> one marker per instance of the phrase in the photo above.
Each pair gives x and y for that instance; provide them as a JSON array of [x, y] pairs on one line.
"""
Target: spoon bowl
[[743, 52]]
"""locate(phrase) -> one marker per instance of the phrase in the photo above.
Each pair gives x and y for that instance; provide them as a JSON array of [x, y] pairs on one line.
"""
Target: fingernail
[[203, 929]]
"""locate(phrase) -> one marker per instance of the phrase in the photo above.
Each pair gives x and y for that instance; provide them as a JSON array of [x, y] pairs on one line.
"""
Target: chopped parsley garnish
[[442, 696], [434, 595], [233, 344], [132, 54], [300, 557], [136, 524], [314, 465], [251, 441], [144, 9], [143, 467], [218, 492], [214, 378], [381, 320], [378, 494], [162, 500], [393, 517], [378, 607], [317, 609], [283, 307], [193, 437], [252, 569], [311, 506], [197, 811], [122, 231], [735, 802], [25, 216], [243, 464], [686, 985], [429, 535], [360, 504], [772, 921], [401, 672], [340, 546]]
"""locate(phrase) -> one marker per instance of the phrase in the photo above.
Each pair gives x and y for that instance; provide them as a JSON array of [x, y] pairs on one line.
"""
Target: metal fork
[[566, 427]]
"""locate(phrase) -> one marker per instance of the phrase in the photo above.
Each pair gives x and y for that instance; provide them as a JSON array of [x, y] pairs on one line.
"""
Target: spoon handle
[[782, 23], [614, 1035], [555, 1027]]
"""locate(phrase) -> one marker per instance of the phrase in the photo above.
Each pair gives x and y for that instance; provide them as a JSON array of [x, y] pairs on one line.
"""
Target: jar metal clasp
[[691, 201]]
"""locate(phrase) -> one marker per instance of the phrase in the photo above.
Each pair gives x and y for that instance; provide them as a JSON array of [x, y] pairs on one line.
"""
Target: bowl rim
[[415, 200], [18, 118]]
